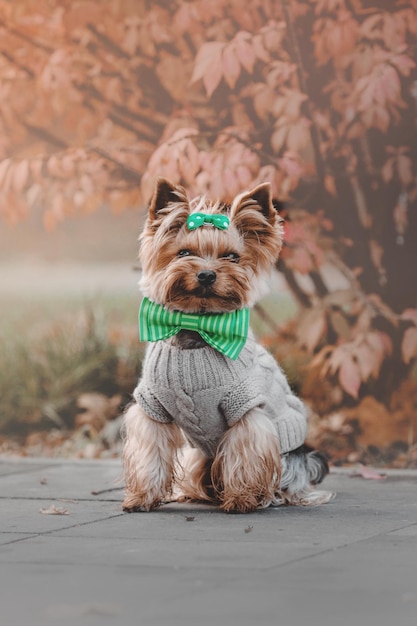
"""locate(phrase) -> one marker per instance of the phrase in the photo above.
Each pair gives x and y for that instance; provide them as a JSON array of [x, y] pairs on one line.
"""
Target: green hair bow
[[219, 220]]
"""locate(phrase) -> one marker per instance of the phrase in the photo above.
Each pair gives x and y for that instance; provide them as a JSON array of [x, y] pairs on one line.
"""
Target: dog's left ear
[[259, 199], [255, 216]]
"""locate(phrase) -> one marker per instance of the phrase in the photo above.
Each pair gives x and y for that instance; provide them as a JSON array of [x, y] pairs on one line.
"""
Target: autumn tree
[[98, 97]]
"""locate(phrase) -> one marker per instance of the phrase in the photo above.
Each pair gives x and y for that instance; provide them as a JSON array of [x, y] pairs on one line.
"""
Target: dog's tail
[[303, 466], [301, 469], [317, 466]]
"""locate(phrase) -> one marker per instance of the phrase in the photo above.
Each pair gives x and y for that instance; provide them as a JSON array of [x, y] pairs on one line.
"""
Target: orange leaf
[[349, 376], [335, 359], [380, 342], [330, 185], [212, 78], [244, 176], [231, 65], [188, 161], [245, 51], [298, 135], [184, 19], [369, 362], [387, 171], [410, 314], [170, 71], [20, 176], [4, 167], [409, 344], [208, 56], [231, 183], [263, 100], [312, 328], [278, 138], [404, 166], [259, 48], [33, 194]]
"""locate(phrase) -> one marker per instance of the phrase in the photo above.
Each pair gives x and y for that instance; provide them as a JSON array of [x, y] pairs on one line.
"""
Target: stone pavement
[[350, 562]]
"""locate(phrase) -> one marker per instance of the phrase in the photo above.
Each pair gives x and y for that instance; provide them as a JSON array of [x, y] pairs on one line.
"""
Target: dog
[[214, 418]]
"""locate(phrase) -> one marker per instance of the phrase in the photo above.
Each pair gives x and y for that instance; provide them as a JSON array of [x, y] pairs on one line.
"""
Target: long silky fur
[[246, 470], [300, 470], [194, 476], [149, 459]]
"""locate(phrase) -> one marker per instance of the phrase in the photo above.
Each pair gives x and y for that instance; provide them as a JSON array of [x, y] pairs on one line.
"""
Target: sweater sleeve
[[242, 398], [150, 404], [292, 424], [267, 388]]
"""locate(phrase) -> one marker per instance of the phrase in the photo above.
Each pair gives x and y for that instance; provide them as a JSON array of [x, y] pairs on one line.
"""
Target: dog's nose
[[206, 277]]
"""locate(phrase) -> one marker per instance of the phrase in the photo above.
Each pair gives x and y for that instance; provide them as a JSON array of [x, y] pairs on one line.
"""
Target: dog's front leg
[[246, 470], [149, 456]]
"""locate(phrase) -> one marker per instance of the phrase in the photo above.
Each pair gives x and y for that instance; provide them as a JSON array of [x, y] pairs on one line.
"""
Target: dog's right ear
[[164, 195]]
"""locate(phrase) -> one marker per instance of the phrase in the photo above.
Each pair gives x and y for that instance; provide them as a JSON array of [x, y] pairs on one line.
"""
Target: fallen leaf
[[248, 529], [368, 473], [190, 518], [53, 510]]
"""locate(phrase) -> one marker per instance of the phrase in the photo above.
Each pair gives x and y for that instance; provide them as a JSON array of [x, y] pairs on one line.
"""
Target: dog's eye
[[182, 253], [231, 256]]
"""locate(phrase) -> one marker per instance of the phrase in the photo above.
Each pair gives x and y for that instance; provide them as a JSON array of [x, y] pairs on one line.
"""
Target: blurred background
[[99, 97]]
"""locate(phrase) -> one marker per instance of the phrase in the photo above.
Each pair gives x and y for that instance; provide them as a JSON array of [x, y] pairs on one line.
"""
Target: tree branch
[[45, 135], [17, 33], [302, 298], [244, 142], [130, 173], [265, 317], [319, 284], [22, 67], [108, 43], [296, 53], [143, 121]]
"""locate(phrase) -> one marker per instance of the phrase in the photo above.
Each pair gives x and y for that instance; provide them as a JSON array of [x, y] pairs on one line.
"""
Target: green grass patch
[[54, 352]]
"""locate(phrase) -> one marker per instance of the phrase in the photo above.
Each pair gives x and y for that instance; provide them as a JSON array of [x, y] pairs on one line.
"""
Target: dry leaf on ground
[[53, 510], [368, 473]]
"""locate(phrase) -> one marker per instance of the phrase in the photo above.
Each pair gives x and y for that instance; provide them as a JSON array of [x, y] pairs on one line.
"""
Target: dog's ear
[[165, 194], [258, 199], [256, 218]]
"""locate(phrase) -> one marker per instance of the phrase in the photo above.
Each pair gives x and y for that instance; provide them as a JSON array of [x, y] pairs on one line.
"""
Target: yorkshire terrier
[[214, 418]]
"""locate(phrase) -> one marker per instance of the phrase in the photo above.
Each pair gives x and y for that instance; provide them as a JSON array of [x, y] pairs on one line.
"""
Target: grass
[[53, 352]]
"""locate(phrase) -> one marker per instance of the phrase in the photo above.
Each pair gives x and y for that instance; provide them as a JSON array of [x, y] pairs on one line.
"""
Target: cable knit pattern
[[205, 392]]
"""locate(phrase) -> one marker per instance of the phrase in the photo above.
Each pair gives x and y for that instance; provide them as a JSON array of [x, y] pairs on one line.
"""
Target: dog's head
[[208, 269]]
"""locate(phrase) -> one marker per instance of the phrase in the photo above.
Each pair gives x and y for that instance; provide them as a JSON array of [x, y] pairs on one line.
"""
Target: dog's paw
[[133, 504], [239, 505]]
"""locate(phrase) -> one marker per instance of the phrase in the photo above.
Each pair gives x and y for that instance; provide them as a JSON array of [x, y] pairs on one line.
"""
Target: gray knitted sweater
[[205, 392]]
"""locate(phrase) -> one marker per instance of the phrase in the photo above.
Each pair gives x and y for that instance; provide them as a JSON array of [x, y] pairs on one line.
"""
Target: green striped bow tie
[[225, 332]]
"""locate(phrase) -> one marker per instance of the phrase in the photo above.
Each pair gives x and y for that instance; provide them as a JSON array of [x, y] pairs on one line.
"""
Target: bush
[[41, 375]]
